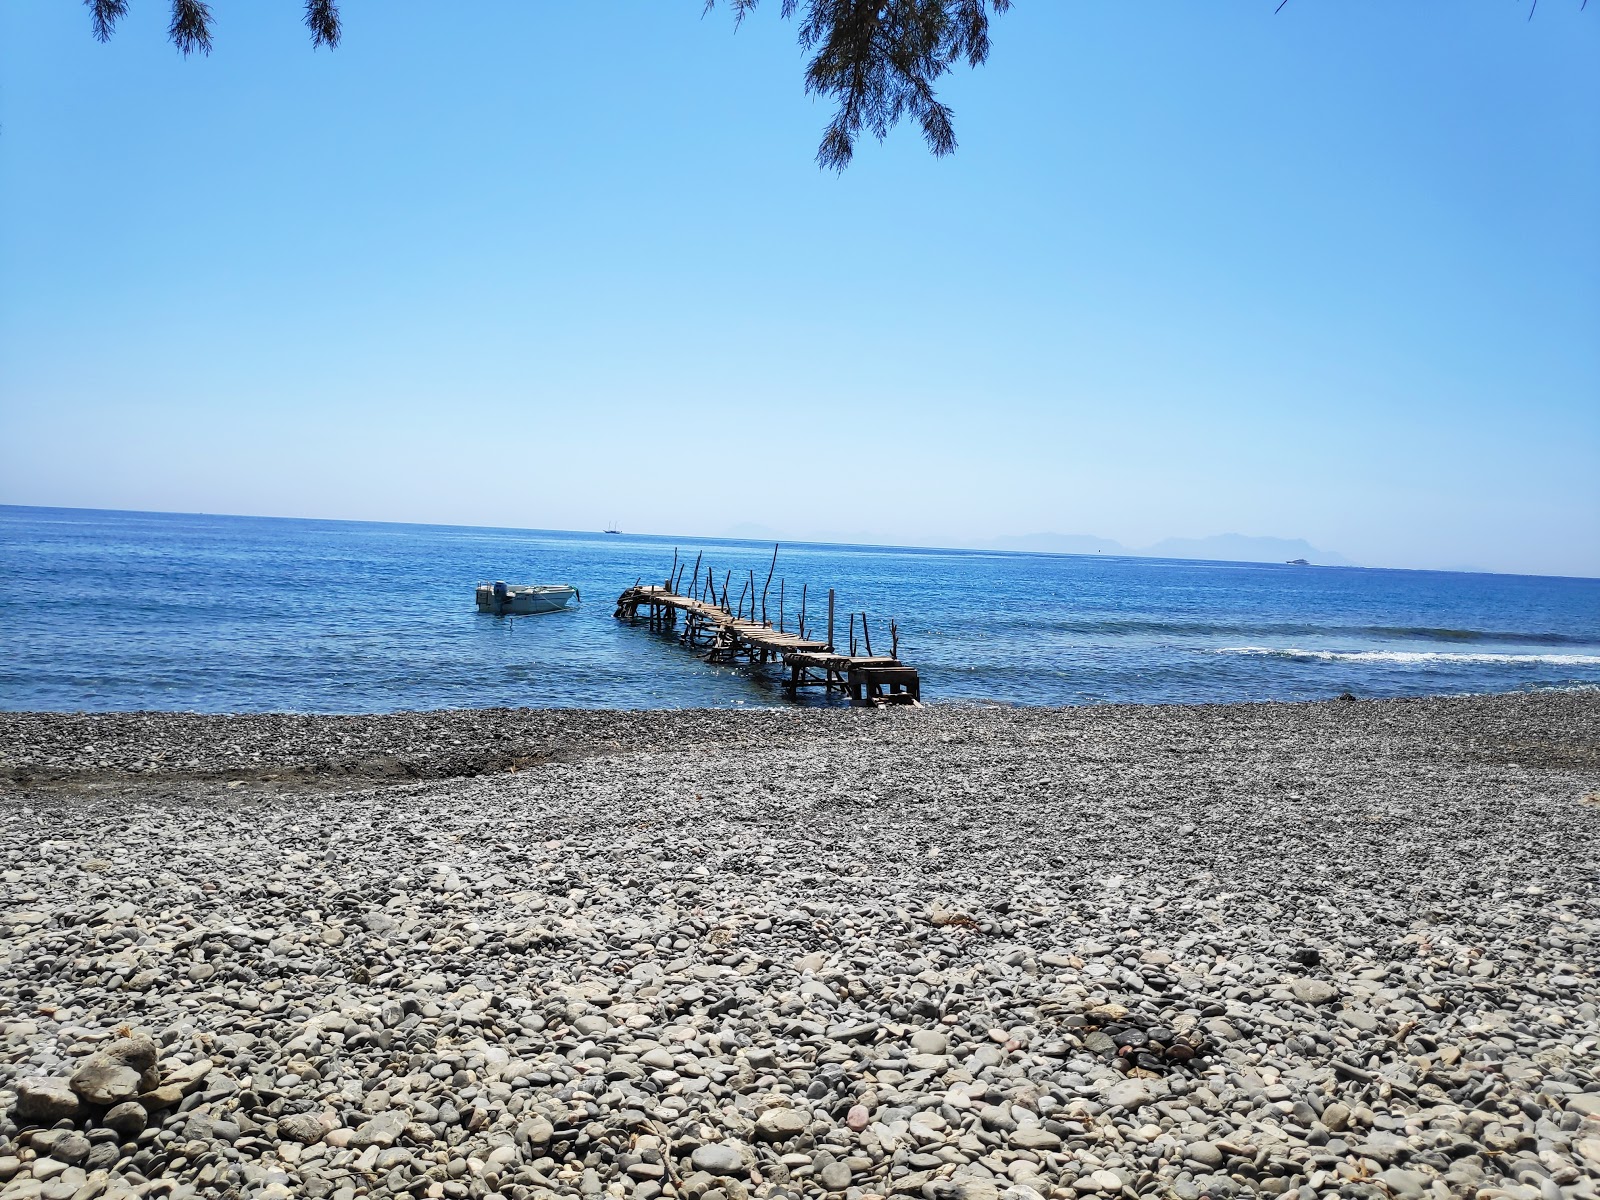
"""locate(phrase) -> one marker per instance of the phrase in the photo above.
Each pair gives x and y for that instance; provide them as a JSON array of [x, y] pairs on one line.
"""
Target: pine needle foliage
[[878, 61], [190, 26]]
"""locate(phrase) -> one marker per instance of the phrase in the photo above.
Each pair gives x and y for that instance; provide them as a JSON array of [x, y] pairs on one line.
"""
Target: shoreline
[[1336, 948], [436, 744]]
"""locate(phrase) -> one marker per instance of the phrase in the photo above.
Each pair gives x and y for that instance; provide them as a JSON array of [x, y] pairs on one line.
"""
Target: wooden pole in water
[[742, 590], [894, 639], [726, 575], [830, 619], [752, 595], [781, 582], [866, 634], [852, 635], [711, 584], [773, 567], [674, 571], [694, 580]]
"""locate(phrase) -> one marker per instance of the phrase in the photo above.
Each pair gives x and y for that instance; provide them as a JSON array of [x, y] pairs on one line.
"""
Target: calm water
[[102, 610]]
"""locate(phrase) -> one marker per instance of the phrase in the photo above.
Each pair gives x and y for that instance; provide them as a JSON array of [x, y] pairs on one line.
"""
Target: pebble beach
[[1337, 948]]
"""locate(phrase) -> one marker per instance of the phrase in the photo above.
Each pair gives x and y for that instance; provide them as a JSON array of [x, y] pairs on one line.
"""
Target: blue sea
[[120, 610]]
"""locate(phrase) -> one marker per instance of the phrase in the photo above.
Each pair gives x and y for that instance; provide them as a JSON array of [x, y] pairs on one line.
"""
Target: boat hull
[[525, 601]]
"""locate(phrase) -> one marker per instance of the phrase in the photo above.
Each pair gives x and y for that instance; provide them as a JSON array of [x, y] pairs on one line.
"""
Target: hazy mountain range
[[1224, 547], [1221, 547]]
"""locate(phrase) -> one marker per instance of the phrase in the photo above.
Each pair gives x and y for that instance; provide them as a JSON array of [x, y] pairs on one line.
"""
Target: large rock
[[63, 1145], [305, 1128], [127, 1119], [382, 1131], [1207, 1154], [719, 1158], [120, 1072], [138, 1050], [1034, 1137], [1408, 1185], [44, 1101], [1131, 1094], [780, 1124], [1314, 991], [105, 1081]]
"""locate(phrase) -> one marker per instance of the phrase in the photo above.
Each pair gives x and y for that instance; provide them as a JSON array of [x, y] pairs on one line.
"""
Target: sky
[[1330, 274]]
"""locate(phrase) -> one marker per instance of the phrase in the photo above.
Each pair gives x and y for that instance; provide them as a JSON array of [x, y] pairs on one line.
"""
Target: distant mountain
[[749, 531], [1236, 547], [1058, 543], [1222, 547]]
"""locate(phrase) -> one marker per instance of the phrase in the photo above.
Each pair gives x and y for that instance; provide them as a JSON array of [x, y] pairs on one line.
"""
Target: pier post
[[830, 618], [767, 585]]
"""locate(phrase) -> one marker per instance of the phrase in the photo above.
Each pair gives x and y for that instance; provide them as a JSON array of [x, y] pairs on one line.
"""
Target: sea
[[105, 611]]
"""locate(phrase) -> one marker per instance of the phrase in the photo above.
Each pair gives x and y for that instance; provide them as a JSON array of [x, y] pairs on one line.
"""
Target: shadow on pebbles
[[1312, 950]]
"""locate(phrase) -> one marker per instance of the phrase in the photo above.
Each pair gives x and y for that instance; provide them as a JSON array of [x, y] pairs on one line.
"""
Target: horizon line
[[1129, 554]]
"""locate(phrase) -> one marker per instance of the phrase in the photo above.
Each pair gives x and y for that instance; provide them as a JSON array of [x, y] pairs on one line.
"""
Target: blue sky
[[1331, 274]]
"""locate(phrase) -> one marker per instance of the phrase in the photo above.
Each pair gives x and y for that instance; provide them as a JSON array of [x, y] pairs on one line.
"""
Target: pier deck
[[720, 636]]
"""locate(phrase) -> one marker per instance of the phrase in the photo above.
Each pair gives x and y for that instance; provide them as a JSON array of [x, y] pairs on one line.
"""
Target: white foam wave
[[1416, 657]]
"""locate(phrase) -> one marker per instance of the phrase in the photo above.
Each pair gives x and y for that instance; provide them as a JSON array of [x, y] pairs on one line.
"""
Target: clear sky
[[1195, 268]]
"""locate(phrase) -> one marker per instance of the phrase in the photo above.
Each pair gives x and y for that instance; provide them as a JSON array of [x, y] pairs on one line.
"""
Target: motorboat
[[519, 599]]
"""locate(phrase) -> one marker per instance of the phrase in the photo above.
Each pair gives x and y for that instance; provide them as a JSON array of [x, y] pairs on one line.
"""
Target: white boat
[[521, 599]]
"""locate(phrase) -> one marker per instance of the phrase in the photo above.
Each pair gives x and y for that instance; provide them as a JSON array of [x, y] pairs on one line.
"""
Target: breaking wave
[[1414, 657], [1157, 626]]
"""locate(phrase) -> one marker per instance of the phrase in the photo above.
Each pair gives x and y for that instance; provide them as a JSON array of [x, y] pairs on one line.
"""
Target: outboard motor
[[502, 595]]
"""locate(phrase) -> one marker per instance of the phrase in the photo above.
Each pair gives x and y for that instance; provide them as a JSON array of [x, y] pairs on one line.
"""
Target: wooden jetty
[[724, 634]]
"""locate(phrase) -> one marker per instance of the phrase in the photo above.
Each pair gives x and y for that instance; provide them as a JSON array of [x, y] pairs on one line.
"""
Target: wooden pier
[[724, 634]]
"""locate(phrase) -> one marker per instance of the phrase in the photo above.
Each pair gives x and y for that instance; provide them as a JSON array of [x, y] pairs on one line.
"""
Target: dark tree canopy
[[876, 59]]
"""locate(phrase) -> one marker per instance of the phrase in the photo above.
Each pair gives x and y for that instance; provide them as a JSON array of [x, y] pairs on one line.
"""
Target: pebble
[[786, 953]]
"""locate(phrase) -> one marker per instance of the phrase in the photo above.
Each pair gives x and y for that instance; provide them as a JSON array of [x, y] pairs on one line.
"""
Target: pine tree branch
[[104, 15], [322, 18], [191, 26]]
